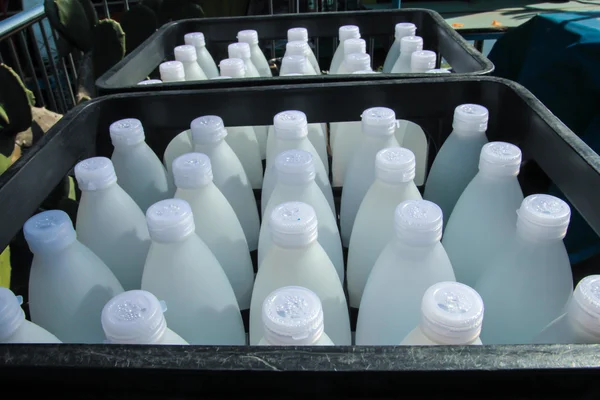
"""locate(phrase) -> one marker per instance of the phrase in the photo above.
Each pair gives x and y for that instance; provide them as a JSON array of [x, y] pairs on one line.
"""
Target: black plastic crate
[[551, 152], [377, 28]]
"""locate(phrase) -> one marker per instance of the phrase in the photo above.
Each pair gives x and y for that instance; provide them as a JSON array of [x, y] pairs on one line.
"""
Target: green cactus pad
[[15, 101], [139, 23], [90, 12], [69, 18], [109, 46], [174, 10]]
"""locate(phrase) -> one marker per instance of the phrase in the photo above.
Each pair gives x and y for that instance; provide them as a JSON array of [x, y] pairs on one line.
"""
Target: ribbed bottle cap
[[357, 61], [293, 224], [297, 34], [11, 313], [378, 121], [438, 71], [395, 165], [470, 118], [500, 159], [408, 44], [352, 46], [249, 36], [292, 315], [185, 53], [297, 48], [170, 221], [584, 308], [239, 50], [422, 61], [295, 167], [134, 317], [233, 67], [418, 222], [543, 217], [195, 39], [451, 313], [290, 125], [150, 82], [207, 130], [348, 32], [126, 132], [50, 230], [95, 173], [294, 65], [403, 29], [192, 170], [172, 71]]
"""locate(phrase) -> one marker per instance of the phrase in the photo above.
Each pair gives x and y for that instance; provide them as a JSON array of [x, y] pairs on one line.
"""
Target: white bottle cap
[[134, 317], [95, 173], [208, 129], [290, 125], [408, 44], [294, 64], [11, 313], [297, 48], [451, 313], [403, 29], [292, 315], [50, 230], [295, 167], [438, 71], [422, 61], [293, 224], [239, 50], [395, 165], [185, 53], [418, 222], [195, 39], [126, 132], [348, 32], [500, 159], [297, 34], [470, 118], [233, 67], [249, 36], [378, 121], [543, 217], [357, 61], [584, 307], [150, 82], [170, 221], [172, 71], [352, 46], [192, 170]]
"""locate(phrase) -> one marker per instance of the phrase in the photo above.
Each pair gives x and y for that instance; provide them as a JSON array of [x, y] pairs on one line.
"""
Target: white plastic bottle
[[341, 151], [344, 33], [242, 51], [216, 222], [378, 128], [451, 314], [233, 68], [374, 225], [68, 285], [484, 217], [182, 271], [412, 262], [402, 29], [422, 61], [580, 324], [256, 55], [150, 82], [244, 143], [295, 171], [186, 54], [138, 168], [136, 317], [205, 60], [297, 259], [291, 132], [528, 284], [293, 316], [14, 328], [208, 134], [301, 49], [351, 46], [301, 34], [294, 65], [172, 71], [357, 62], [455, 164], [439, 71], [408, 45]]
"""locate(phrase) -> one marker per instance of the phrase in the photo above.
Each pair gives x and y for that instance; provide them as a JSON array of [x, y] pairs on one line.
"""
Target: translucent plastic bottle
[[172, 71], [205, 60], [291, 132], [194, 181], [408, 45], [291, 65], [378, 128], [150, 82], [528, 284], [581, 322], [356, 62], [301, 49], [182, 271], [186, 54], [68, 285], [136, 317], [374, 225], [138, 168], [14, 328], [228, 174], [455, 164], [293, 316], [351, 46], [484, 217], [342, 150], [402, 29], [296, 182], [438, 71], [242, 51], [451, 314], [244, 143], [233, 67], [345, 32], [412, 262], [422, 61], [257, 56], [297, 259], [301, 34]]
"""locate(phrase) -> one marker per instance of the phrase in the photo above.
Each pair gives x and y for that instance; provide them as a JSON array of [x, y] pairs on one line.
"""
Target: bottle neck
[[128, 148], [466, 133], [288, 247], [100, 192], [526, 235], [495, 176], [388, 184], [409, 244], [52, 252]]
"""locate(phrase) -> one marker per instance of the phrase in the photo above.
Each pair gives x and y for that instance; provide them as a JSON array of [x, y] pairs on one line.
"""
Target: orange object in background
[[457, 25]]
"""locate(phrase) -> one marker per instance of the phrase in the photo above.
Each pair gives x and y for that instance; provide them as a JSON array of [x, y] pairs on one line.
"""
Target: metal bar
[[15, 56], [316, 42], [1, 59], [38, 90], [61, 98], [271, 11], [106, 10], [66, 72], [73, 66], [372, 48], [126, 4], [20, 21], [479, 45], [40, 60]]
